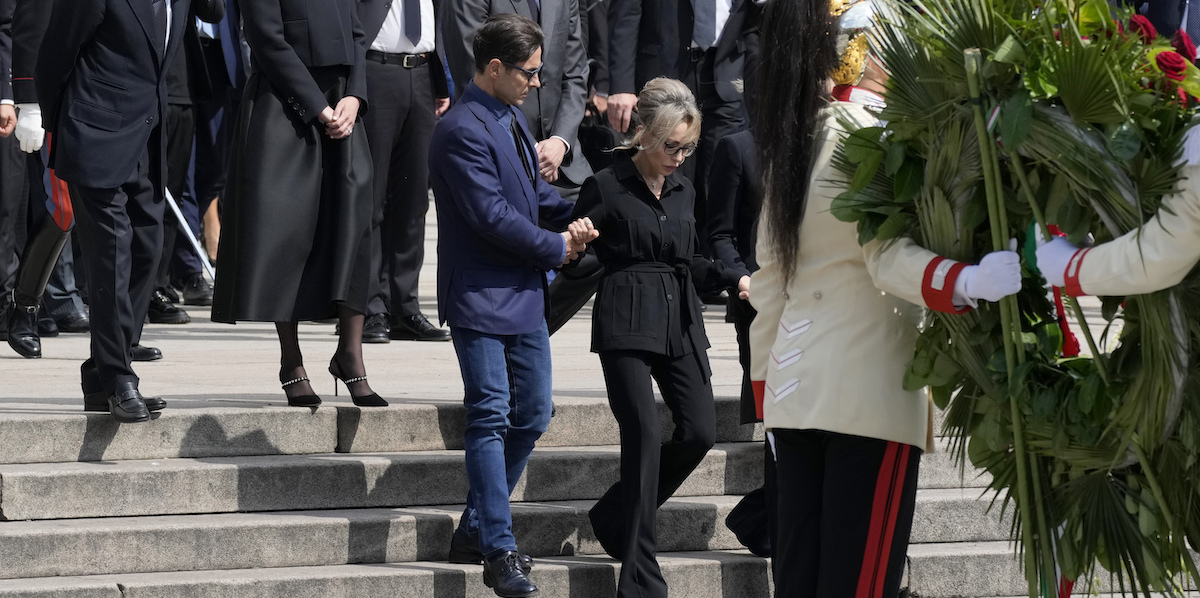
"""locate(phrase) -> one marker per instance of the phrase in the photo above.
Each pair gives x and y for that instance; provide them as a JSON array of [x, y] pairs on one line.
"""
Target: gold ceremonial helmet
[[854, 17]]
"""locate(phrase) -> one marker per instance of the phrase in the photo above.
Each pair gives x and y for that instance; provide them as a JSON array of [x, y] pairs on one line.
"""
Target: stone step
[[335, 537], [272, 428], [330, 481], [714, 574]]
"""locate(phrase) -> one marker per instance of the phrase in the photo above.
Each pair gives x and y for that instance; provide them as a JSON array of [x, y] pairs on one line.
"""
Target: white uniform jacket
[[831, 354], [1152, 258]]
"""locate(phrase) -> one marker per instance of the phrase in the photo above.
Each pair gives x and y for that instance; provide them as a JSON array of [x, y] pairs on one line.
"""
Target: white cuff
[[565, 142], [961, 299]]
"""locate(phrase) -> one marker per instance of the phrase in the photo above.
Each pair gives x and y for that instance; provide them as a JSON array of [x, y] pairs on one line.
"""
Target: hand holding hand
[[1053, 257], [573, 248], [744, 288], [551, 152], [997, 276], [620, 110], [8, 119], [341, 125], [582, 232], [29, 127]]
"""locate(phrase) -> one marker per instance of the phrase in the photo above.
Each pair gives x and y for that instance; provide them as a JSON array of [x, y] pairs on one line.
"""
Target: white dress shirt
[[391, 38]]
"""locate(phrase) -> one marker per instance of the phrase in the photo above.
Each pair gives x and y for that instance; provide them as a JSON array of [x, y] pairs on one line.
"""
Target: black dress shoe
[[144, 353], [127, 405], [22, 330], [76, 322], [607, 534], [464, 550], [47, 327], [417, 328], [503, 574], [195, 290], [375, 329], [94, 397], [162, 311]]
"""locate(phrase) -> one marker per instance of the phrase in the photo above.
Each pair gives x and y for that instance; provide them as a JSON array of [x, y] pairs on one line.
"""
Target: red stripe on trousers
[[888, 487], [64, 214]]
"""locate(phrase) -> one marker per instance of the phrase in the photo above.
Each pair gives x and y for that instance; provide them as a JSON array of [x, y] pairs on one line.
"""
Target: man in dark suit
[[492, 263], [554, 110], [407, 86], [699, 42], [101, 83], [12, 171]]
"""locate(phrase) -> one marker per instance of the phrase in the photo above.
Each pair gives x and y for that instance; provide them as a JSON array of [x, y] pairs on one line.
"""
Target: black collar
[[625, 169]]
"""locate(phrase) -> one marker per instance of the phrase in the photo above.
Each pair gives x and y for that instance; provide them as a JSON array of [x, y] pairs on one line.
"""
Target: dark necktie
[[160, 25], [1193, 22], [412, 20], [522, 149], [535, 10], [704, 27]]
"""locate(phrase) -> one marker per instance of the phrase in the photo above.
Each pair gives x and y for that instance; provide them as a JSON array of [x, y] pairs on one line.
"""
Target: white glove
[[997, 276], [29, 127], [1052, 259]]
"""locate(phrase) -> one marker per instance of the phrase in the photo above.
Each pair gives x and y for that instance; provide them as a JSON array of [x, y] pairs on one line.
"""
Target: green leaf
[[866, 171], [908, 181], [1045, 404], [1089, 391], [895, 157], [863, 144], [1009, 52], [845, 207], [1016, 116], [941, 395], [896, 224], [945, 370], [1124, 142], [1109, 306], [868, 227]]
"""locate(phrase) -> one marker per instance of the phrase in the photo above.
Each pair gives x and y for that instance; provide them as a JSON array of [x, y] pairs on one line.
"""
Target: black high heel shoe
[[371, 400], [309, 400]]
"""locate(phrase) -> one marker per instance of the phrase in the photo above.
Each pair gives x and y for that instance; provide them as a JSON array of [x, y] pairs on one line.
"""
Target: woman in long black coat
[[295, 239], [646, 325]]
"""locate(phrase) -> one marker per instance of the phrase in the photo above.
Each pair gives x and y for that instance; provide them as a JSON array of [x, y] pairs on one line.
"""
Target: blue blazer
[[492, 255]]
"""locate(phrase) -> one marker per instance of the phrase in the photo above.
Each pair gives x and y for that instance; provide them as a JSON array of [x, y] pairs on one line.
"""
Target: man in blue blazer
[[492, 263], [101, 86]]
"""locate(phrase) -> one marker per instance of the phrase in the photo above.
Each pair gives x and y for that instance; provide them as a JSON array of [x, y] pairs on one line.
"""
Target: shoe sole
[[199, 303], [173, 320], [376, 340], [491, 583], [406, 337]]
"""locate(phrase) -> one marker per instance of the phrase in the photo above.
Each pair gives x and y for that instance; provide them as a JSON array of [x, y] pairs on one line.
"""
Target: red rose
[[1142, 26], [1172, 65], [1183, 96], [1182, 42]]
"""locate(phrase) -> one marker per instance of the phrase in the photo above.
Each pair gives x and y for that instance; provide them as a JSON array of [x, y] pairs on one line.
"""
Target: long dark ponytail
[[799, 51]]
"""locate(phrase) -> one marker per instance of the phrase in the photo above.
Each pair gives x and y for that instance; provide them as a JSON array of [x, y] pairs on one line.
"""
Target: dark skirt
[[296, 215]]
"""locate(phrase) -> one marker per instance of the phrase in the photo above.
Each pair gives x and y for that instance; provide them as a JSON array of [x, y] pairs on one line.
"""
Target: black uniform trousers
[[61, 297], [845, 512], [651, 470], [121, 240], [398, 126], [13, 194], [719, 118], [181, 132]]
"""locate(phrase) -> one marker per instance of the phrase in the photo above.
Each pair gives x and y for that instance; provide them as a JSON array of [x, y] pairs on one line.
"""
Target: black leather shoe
[[417, 328], [94, 397], [503, 574], [127, 405], [162, 311], [47, 327], [607, 534], [76, 322], [22, 330], [464, 549], [195, 290], [144, 353], [375, 329]]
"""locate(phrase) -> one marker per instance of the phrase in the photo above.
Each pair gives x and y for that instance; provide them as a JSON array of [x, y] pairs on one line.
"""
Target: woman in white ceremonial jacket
[[836, 330]]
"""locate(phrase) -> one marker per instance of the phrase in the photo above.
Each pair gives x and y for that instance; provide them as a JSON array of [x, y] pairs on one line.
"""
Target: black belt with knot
[[689, 302], [408, 61]]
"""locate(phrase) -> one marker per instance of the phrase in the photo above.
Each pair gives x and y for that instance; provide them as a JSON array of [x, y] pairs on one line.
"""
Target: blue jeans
[[507, 392]]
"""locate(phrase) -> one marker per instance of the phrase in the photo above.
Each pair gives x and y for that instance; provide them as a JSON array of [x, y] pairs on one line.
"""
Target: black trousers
[[398, 126], [13, 207], [845, 512], [121, 236], [720, 118], [178, 257], [651, 470]]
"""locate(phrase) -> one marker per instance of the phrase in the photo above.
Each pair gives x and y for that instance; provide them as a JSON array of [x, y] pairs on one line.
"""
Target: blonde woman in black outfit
[[295, 239], [647, 325]]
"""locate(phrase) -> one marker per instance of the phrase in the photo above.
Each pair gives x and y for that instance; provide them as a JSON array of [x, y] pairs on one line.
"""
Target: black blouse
[[647, 298]]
